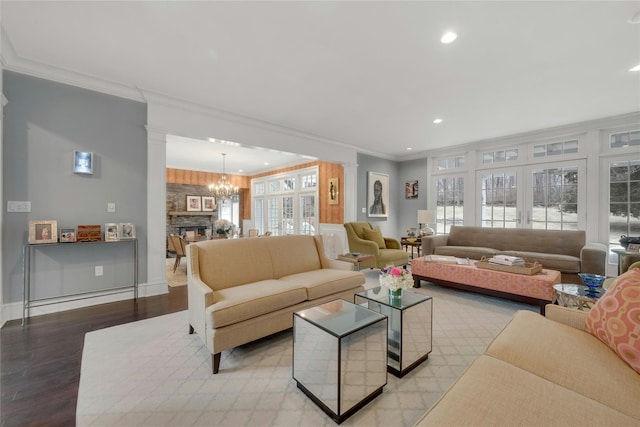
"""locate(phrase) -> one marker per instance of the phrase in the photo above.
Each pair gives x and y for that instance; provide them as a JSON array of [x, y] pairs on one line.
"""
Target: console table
[[27, 301]]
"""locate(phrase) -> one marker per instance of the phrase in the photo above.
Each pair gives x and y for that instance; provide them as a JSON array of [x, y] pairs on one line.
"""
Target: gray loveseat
[[563, 250]]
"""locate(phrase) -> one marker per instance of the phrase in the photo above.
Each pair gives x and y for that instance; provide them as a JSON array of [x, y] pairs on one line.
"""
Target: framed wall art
[[43, 231], [126, 230], [82, 162], [67, 234], [411, 190], [334, 191], [208, 203], [194, 203], [111, 232], [378, 195]]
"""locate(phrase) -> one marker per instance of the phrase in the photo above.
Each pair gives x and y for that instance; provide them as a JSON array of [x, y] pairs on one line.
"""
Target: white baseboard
[[13, 310]]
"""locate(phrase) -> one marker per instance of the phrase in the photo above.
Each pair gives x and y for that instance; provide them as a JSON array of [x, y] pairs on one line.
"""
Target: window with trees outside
[[450, 203], [624, 200]]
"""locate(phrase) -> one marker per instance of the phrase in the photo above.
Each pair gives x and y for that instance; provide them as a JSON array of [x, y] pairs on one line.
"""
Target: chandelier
[[223, 189]]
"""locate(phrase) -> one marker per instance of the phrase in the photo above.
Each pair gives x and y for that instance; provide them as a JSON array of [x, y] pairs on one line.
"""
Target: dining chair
[[180, 247]]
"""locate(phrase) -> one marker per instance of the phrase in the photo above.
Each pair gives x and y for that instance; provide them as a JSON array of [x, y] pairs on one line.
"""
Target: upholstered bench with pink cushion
[[570, 368]]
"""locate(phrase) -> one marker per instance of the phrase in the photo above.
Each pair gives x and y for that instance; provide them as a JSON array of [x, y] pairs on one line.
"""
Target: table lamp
[[426, 217]]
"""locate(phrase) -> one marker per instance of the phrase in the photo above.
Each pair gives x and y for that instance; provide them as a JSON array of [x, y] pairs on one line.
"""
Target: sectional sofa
[[243, 289], [570, 368], [563, 250]]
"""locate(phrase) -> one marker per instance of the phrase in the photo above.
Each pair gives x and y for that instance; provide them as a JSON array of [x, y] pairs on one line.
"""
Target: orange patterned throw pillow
[[615, 318]]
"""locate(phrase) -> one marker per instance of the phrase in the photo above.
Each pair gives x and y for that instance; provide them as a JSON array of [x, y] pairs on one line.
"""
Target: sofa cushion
[[615, 318], [563, 263], [492, 392], [570, 358], [320, 283], [238, 303], [375, 236], [292, 254], [471, 252]]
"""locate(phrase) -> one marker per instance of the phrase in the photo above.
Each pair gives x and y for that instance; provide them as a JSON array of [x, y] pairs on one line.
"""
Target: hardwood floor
[[40, 363]]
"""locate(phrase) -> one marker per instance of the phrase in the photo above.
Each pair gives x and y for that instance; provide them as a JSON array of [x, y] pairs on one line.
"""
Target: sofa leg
[[191, 330], [215, 362]]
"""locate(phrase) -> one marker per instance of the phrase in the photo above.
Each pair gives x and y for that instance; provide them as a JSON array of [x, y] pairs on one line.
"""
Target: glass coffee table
[[410, 326], [339, 356]]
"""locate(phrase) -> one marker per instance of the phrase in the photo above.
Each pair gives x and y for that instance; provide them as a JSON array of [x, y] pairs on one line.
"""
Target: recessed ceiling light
[[240, 170], [409, 148], [449, 37], [437, 121], [266, 163], [636, 68]]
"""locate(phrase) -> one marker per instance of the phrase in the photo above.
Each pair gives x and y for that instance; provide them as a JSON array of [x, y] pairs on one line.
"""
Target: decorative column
[[156, 211]]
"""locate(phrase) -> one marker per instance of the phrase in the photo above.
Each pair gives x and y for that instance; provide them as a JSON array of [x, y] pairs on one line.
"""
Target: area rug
[[179, 278], [153, 373]]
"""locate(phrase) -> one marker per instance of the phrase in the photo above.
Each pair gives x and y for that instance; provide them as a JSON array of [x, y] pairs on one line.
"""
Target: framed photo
[[67, 234], [89, 233], [334, 191], [43, 231], [111, 232], [194, 203], [411, 190], [82, 162], [378, 195], [633, 247], [208, 203], [126, 230]]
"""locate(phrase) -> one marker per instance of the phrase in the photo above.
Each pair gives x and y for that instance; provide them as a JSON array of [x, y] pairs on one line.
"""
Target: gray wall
[[44, 122], [403, 212]]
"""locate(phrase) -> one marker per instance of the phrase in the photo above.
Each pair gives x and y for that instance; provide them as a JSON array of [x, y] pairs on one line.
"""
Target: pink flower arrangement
[[395, 278]]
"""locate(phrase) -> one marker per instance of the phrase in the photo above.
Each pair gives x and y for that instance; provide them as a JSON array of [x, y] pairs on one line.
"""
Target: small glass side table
[[410, 326], [576, 296], [339, 357]]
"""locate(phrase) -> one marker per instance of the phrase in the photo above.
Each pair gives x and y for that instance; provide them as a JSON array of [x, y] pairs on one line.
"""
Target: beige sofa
[[542, 372], [562, 250], [240, 290]]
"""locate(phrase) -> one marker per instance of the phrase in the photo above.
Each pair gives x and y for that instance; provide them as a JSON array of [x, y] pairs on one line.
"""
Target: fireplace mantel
[[174, 214]]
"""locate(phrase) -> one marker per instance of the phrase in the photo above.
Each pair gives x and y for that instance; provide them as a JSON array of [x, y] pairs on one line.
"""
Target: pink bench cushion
[[538, 286]]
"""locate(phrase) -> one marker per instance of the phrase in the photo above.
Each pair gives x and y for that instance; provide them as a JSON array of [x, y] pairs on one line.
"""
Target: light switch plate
[[364, 210], [18, 206], [111, 207]]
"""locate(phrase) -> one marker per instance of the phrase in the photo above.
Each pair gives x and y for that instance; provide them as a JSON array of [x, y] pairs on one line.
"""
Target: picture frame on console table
[[111, 232], [378, 195], [126, 231], [89, 233], [43, 231], [67, 234], [633, 247]]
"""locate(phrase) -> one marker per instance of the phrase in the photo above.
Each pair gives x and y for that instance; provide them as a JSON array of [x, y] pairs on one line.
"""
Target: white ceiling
[[372, 75]]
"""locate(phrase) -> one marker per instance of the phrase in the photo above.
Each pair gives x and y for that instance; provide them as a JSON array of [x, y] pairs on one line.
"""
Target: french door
[[541, 196]]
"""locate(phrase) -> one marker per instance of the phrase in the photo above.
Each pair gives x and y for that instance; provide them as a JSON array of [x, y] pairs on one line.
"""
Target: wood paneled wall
[[329, 214]]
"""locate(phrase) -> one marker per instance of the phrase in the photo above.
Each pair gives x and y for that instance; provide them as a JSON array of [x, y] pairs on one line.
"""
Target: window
[[555, 199], [500, 156], [555, 148], [499, 200], [450, 203], [230, 209], [624, 200], [450, 163], [289, 207], [625, 139]]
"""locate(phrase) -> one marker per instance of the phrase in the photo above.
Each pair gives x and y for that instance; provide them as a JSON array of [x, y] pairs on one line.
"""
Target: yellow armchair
[[364, 238]]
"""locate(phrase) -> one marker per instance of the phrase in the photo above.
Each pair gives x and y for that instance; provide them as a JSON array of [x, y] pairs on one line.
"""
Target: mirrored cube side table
[[339, 356], [410, 326]]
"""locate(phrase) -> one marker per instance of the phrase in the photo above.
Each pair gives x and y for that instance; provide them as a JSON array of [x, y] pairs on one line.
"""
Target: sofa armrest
[[392, 243], [430, 243], [363, 246], [199, 295], [568, 316], [593, 259], [337, 264]]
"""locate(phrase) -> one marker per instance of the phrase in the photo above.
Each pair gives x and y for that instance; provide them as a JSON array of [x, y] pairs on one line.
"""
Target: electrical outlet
[[99, 270], [364, 210]]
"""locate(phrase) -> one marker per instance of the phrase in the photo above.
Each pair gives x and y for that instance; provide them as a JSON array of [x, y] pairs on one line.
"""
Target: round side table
[[575, 296]]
